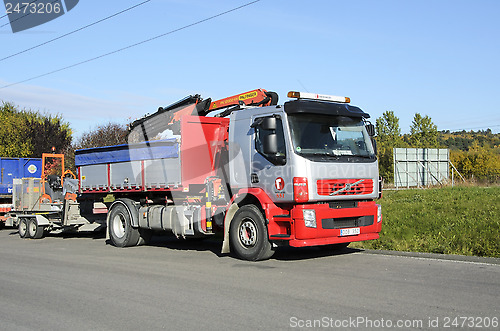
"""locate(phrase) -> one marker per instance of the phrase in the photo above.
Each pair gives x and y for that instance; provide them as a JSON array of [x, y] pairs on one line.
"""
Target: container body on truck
[[301, 174], [15, 168]]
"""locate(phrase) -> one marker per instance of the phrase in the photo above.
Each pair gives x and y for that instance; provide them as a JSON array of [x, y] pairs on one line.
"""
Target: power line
[[134, 45], [74, 31]]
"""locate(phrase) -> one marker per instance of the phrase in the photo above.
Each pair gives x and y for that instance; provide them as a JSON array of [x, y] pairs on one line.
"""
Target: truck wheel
[[248, 234], [121, 232], [34, 230], [23, 228]]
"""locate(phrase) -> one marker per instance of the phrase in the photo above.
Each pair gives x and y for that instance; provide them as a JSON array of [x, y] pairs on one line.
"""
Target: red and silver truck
[[304, 173]]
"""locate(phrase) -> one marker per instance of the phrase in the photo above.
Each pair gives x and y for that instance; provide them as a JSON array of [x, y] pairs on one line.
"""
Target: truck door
[[269, 158]]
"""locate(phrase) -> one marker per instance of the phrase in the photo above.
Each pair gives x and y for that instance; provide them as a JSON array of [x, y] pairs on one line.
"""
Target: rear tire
[[23, 228], [34, 230], [120, 229], [248, 234]]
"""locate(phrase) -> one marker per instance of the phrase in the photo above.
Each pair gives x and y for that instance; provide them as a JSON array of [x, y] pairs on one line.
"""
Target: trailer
[[12, 168], [49, 204], [264, 175]]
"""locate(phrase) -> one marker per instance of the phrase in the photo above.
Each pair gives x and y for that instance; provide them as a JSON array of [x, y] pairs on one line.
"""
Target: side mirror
[[370, 128], [270, 144], [269, 123], [374, 143]]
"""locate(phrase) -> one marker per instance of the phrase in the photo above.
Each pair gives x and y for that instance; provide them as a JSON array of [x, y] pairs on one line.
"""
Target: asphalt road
[[82, 283]]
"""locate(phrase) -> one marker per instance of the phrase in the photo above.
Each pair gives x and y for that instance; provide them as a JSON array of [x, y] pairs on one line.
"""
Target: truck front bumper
[[334, 224]]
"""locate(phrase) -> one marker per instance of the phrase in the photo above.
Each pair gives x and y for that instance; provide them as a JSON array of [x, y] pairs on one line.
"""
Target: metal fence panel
[[416, 167]]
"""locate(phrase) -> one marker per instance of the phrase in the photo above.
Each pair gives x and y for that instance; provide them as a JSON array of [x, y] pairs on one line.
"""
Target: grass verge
[[459, 220]]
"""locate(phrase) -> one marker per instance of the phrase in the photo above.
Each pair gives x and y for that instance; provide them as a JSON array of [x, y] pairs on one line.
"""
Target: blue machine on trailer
[[11, 168], [17, 168]]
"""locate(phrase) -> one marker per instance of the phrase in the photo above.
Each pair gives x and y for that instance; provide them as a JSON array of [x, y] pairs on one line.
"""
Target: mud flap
[[227, 224]]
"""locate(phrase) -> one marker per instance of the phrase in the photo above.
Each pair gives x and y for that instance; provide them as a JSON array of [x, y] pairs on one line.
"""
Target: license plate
[[349, 232]]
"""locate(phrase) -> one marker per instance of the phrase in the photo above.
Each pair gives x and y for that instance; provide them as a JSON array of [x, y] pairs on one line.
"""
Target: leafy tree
[[48, 132], [479, 162], [13, 142], [423, 133], [388, 126], [103, 135], [29, 134], [388, 138]]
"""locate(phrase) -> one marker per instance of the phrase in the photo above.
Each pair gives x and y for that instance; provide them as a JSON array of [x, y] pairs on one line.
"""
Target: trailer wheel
[[34, 230], [248, 234], [121, 232], [23, 228]]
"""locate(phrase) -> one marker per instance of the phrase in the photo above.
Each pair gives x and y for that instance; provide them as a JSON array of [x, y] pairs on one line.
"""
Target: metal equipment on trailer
[[12, 168], [49, 204]]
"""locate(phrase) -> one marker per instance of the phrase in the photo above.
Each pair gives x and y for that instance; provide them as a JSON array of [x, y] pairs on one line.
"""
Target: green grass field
[[460, 220]]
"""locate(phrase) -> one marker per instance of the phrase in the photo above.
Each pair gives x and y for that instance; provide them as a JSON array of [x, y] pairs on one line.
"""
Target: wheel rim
[[119, 225], [22, 228], [248, 233], [32, 228]]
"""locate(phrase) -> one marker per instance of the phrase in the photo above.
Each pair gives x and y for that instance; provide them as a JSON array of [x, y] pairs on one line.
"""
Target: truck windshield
[[323, 137]]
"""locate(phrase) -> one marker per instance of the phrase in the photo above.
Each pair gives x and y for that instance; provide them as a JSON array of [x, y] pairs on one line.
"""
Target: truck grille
[[332, 187]]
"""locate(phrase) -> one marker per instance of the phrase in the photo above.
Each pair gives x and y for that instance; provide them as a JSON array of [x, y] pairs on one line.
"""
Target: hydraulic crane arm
[[150, 126], [258, 97]]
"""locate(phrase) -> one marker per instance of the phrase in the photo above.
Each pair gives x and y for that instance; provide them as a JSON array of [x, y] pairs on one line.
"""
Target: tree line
[[27, 133], [476, 155]]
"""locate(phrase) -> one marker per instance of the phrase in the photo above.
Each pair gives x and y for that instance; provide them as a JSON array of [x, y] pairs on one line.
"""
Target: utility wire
[[134, 45], [74, 31], [19, 10]]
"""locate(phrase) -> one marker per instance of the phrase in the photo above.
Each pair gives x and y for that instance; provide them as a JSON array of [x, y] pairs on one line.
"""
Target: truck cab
[[312, 164]]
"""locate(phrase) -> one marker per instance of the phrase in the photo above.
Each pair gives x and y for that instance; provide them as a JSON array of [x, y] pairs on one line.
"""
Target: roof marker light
[[324, 97]]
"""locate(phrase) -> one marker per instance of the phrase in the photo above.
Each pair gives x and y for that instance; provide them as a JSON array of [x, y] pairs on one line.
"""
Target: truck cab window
[[261, 134]]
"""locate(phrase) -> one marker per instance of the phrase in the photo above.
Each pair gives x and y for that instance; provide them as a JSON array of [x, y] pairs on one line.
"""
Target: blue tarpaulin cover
[[158, 149]]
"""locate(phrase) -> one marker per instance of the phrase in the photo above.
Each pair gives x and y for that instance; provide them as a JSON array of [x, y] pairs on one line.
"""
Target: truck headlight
[[379, 213], [309, 217]]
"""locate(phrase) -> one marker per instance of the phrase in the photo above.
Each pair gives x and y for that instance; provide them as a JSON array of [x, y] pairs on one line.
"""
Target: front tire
[[248, 234], [120, 229]]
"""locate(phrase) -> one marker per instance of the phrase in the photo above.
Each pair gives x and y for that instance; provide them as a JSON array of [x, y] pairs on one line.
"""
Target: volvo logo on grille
[[347, 187]]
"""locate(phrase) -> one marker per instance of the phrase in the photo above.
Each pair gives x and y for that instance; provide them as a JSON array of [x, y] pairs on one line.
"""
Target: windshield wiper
[[325, 154], [363, 156]]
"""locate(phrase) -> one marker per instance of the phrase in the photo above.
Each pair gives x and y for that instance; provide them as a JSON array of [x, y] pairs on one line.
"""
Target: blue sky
[[439, 57]]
